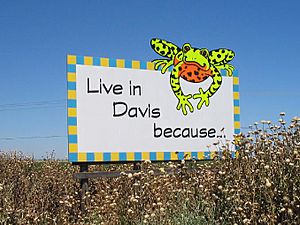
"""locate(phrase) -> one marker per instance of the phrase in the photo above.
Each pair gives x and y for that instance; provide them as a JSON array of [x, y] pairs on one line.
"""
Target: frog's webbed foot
[[183, 103], [204, 98], [165, 63], [228, 67]]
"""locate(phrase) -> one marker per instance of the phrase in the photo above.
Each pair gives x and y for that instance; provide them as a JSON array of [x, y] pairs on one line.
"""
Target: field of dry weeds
[[260, 186]]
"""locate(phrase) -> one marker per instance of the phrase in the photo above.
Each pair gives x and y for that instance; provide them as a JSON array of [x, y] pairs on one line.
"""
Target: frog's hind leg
[[183, 100], [213, 88], [164, 48]]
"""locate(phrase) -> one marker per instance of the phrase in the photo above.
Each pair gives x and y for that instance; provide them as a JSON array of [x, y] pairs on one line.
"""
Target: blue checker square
[[128, 64], [207, 155], [112, 63], [71, 68], [90, 157], [122, 156], [73, 157], [236, 117], [180, 155], [106, 156], [96, 61], [72, 121], [71, 85], [80, 60], [138, 156], [167, 156], [73, 139], [236, 88], [152, 156], [194, 155], [143, 65], [72, 103]]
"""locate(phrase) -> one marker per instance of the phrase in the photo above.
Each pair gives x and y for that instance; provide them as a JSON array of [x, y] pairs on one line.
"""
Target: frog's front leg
[[183, 100], [213, 88], [165, 63], [229, 69]]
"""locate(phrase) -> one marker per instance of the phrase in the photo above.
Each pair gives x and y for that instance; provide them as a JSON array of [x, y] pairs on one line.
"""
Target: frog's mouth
[[202, 66]]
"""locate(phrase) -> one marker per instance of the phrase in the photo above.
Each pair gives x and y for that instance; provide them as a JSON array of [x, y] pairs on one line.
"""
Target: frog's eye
[[204, 52], [186, 48]]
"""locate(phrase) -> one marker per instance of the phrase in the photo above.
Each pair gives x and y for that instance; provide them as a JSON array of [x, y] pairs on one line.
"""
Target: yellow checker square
[[82, 157], [200, 155], [72, 112], [115, 156], [135, 64], [236, 95], [71, 59], [130, 156], [237, 110], [160, 156], [88, 60], [145, 155], [98, 156], [71, 77], [120, 63], [73, 148], [213, 155], [187, 155], [72, 130], [150, 66], [104, 62], [235, 80], [71, 94], [174, 156], [237, 125]]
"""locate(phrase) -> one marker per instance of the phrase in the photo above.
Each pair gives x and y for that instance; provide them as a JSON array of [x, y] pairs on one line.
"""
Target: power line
[[32, 137], [33, 105]]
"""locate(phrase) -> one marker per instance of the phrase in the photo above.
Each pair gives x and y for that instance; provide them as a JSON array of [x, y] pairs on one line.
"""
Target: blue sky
[[36, 36]]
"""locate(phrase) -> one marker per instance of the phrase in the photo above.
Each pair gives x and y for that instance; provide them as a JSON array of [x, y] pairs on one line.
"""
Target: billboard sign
[[121, 110]]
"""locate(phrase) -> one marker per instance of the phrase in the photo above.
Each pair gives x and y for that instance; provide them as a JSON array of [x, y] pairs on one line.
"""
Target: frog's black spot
[[162, 52], [193, 81], [185, 67], [214, 61], [174, 70], [216, 70], [157, 48], [205, 77], [190, 74], [223, 51], [219, 55], [198, 69], [199, 78], [172, 48], [184, 77], [219, 82], [180, 68], [173, 75], [230, 56], [196, 72]]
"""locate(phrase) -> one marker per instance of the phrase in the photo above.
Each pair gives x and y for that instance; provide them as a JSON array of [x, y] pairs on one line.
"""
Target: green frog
[[194, 65]]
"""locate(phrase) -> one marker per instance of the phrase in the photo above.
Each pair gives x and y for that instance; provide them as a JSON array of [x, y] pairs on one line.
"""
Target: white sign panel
[[128, 114]]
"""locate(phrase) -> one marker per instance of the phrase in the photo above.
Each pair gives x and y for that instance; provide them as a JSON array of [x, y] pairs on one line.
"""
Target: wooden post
[[83, 188]]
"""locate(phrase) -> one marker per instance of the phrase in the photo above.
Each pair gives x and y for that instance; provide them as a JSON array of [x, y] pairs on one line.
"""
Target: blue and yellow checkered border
[[98, 157]]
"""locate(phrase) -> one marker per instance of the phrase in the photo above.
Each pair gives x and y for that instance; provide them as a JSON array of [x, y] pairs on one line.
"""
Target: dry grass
[[261, 186]]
